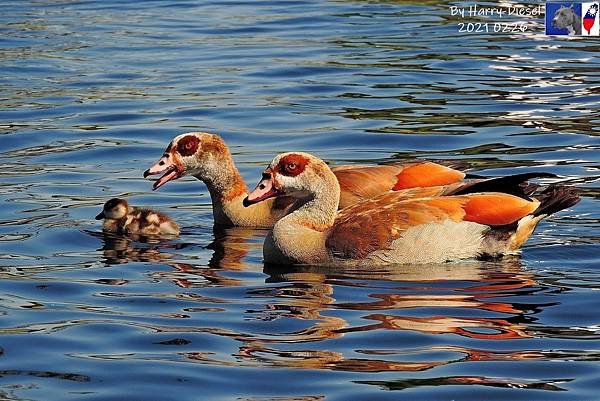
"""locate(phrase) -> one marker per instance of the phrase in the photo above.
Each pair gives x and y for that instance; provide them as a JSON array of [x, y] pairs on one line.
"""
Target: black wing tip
[[556, 198], [515, 184]]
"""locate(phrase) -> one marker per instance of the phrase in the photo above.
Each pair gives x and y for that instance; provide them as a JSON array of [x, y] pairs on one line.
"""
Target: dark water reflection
[[93, 90]]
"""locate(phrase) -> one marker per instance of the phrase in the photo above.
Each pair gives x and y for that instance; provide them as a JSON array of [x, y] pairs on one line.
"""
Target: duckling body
[[119, 217]]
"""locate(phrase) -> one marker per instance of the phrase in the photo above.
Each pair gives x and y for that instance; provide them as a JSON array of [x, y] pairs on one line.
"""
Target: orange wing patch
[[360, 183], [497, 209], [426, 174], [450, 206]]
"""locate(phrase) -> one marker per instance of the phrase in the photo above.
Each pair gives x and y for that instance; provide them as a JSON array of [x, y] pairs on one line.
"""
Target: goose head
[[114, 209], [296, 174], [193, 153]]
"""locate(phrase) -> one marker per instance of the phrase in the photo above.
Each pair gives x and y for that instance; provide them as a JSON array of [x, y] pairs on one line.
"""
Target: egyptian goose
[[388, 229], [121, 218], [207, 157]]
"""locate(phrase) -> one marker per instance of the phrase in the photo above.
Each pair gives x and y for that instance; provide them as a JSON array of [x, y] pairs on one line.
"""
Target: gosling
[[121, 218]]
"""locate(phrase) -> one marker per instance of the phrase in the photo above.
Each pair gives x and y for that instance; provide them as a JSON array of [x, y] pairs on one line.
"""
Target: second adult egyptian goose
[[389, 229], [207, 157]]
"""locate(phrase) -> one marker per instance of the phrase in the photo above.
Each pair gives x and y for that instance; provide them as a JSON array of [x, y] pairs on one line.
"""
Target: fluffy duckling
[[121, 218]]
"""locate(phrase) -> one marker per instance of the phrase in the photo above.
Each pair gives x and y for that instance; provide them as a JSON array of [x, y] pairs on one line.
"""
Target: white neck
[[224, 184], [220, 175], [300, 236], [227, 191]]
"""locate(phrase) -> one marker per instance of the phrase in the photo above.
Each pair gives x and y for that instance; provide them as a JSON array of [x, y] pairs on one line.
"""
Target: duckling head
[[114, 209]]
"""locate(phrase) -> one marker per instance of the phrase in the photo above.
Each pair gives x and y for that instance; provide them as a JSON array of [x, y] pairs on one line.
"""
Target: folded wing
[[374, 224], [361, 183]]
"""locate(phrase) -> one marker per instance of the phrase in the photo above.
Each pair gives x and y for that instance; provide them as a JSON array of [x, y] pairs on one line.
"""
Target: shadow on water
[[550, 385], [445, 316], [477, 301], [230, 246]]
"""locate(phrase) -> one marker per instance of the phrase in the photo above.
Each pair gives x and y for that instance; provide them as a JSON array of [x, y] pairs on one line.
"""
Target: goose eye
[[291, 165], [188, 145]]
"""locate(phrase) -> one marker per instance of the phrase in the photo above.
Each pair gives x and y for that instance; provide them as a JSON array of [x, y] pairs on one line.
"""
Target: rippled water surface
[[93, 91]]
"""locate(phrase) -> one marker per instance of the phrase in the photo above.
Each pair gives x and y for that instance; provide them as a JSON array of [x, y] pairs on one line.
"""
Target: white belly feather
[[433, 243]]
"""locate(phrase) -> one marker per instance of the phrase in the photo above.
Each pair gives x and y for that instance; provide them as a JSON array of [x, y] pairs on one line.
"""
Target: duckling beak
[[264, 190], [100, 215], [165, 166]]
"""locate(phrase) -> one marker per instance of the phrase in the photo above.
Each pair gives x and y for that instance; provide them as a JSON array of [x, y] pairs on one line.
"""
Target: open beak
[[165, 166], [264, 190], [100, 215]]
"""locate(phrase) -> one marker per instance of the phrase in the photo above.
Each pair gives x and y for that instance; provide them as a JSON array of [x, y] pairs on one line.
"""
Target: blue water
[[93, 91]]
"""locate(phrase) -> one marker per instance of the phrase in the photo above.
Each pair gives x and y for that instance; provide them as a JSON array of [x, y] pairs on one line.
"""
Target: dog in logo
[[566, 18]]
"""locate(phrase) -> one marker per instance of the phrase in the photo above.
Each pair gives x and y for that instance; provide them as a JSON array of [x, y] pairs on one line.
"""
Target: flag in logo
[[589, 22]]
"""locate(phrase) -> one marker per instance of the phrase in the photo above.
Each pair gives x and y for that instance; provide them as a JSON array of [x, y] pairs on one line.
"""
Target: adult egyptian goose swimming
[[207, 157], [121, 218], [388, 229]]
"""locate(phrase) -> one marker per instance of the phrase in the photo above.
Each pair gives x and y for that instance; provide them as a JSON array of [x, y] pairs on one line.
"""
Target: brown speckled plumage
[[121, 218]]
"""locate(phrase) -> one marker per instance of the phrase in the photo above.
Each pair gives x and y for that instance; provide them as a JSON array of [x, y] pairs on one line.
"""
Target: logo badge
[[590, 23], [573, 18], [563, 19]]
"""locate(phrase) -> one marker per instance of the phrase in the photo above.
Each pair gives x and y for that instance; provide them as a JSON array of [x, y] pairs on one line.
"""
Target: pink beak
[[165, 166], [264, 190]]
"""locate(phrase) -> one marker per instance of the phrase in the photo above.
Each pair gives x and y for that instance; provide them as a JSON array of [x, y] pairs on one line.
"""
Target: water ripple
[[93, 91]]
